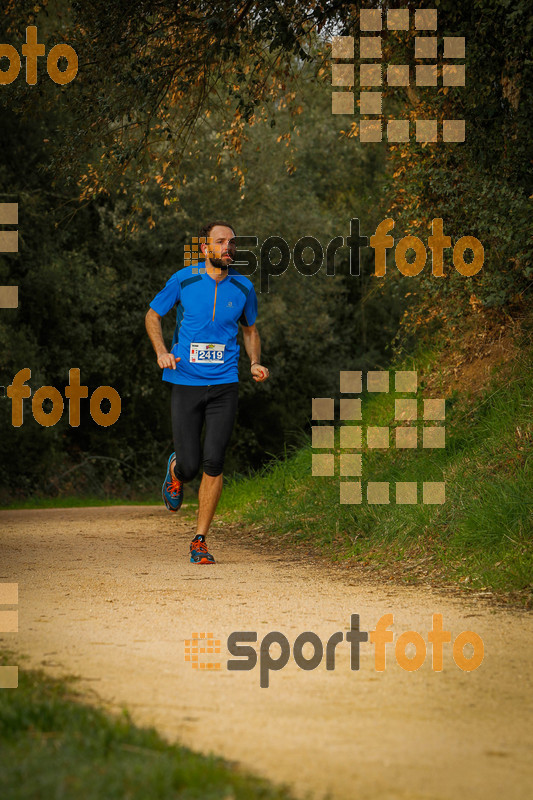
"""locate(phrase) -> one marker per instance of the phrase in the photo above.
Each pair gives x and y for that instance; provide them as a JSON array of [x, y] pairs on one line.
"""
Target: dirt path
[[108, 594]]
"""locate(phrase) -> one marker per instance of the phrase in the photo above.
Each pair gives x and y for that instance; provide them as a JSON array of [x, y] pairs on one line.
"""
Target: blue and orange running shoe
[[199, 554], [172, 491]]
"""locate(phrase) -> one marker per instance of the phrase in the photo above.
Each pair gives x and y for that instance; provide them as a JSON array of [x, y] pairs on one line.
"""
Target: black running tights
[[192, 406]]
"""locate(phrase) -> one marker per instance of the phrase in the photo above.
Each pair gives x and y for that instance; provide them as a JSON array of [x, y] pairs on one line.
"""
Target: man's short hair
[[206, 230]]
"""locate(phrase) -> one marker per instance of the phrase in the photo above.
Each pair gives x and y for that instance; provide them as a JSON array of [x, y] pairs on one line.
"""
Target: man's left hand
[[259, 373]]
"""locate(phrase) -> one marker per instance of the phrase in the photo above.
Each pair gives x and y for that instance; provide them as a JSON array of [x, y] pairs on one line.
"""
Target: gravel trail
[[108, 594]]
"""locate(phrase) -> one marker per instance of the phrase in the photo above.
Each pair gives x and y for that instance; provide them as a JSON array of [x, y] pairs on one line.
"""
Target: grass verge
[[53, 746], [482, 536], [89, 501], [75, 501]]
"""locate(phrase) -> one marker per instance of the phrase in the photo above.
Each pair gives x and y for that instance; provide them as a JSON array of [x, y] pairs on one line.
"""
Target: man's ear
[[204, 246]]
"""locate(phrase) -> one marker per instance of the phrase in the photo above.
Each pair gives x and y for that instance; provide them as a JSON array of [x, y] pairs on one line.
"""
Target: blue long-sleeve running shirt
[[207, 322]]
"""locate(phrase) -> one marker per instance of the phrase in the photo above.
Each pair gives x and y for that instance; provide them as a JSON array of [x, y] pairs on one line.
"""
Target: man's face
[[220, 247]]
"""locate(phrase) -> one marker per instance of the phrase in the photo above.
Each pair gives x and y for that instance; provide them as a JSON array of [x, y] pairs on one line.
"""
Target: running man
[[202, 366]]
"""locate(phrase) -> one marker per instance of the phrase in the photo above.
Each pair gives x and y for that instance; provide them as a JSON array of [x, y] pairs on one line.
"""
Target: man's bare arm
[[252, 344], [152, 322]]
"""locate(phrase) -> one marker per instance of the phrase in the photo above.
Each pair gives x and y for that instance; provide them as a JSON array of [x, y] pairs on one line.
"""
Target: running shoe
[[172, 490], [199, 554]]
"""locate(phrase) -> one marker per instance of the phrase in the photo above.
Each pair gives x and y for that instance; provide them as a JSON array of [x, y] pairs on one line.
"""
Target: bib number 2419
[[206, 353]]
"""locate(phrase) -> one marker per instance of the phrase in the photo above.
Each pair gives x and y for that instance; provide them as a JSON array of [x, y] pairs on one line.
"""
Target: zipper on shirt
[[215, 301]]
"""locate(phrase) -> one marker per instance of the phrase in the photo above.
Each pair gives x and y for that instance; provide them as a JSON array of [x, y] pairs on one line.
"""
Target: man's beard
[[219, 262]]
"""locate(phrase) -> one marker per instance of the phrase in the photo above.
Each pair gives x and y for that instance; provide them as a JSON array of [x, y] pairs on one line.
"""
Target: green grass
[[481, 537], [83, 501], [53, 746], [80, 501]]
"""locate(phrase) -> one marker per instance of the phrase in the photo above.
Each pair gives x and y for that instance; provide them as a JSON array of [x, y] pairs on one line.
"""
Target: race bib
[[206, 353]]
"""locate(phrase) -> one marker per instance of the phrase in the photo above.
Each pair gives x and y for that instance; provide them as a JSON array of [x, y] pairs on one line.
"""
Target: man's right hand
[[167, 360]]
